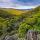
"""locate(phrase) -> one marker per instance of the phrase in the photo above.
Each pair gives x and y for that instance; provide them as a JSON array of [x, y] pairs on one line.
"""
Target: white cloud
[[24, 7], [4, 0], [9, 4], [5, 3]]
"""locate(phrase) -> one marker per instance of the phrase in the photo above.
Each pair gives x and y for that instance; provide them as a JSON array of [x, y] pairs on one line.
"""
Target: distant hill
[[20, 11], [13, 11]]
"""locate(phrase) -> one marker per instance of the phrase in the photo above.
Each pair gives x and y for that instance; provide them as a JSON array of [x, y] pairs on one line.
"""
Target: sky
[[19, 4]]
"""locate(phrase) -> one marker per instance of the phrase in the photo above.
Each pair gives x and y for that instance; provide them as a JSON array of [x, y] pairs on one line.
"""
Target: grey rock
[[13, 37]]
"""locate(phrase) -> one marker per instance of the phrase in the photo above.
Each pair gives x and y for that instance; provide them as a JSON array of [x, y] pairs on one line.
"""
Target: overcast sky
[[19, 4]]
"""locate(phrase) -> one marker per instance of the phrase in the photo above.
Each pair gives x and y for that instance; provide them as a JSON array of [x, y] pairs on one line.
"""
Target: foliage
[[20, 23]]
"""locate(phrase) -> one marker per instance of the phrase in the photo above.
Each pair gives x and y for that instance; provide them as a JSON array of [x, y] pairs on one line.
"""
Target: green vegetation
[[19, 24]]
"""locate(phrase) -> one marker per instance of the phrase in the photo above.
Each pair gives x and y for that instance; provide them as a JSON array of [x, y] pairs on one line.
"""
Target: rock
[[32, 35], [13, 37], [38, 36]]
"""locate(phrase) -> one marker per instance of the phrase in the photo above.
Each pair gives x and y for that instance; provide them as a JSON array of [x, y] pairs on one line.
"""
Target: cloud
[[29, 2], [16, 4], [4, 0], [4, 3], [24, 7]]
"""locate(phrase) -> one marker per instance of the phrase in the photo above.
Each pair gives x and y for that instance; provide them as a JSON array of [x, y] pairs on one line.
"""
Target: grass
[[14, 11]]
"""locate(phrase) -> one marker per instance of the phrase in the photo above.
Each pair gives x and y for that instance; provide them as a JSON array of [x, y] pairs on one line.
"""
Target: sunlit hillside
[[14, 11]]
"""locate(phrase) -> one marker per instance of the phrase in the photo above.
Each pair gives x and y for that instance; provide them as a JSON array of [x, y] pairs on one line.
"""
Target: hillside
[[18, 11], [14, 11], [16, 23]]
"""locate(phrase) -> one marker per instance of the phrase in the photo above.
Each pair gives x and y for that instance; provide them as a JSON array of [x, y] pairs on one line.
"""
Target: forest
[[15, 27]]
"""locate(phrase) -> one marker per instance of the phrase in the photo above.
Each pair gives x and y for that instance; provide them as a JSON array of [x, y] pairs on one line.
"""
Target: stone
[[13, 37], [32, 35]]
